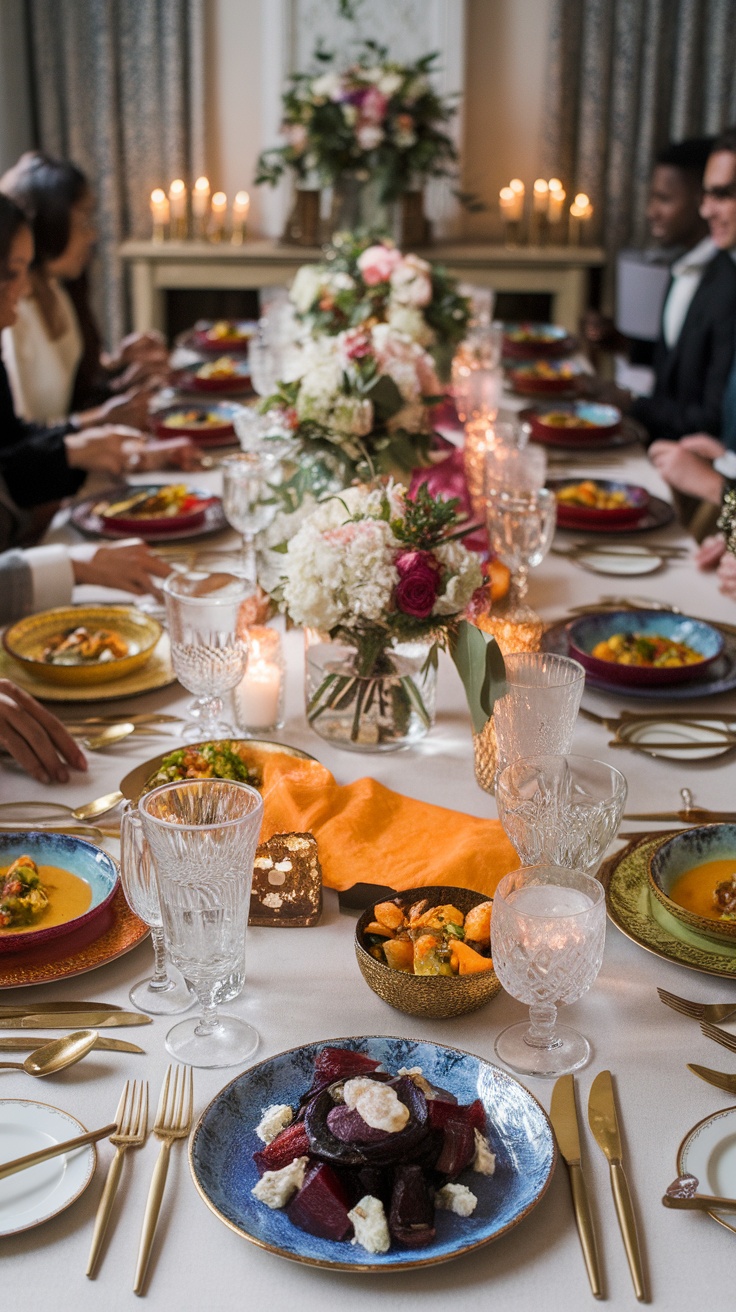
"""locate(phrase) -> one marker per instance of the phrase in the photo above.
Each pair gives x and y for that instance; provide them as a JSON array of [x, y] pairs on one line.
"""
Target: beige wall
[[506, 44]]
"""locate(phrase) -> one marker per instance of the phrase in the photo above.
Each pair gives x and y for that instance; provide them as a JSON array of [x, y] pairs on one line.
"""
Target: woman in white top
[[53, 352]]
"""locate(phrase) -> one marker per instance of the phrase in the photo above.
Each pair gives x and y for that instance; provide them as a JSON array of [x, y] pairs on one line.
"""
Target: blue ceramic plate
[[222, 1146], [70, 853]]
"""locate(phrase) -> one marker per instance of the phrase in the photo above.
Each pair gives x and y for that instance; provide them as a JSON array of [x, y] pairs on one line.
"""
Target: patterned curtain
[[119, 89], [625, 78]]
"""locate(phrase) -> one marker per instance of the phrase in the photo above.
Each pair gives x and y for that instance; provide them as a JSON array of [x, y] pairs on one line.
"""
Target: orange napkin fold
[[367, 833]]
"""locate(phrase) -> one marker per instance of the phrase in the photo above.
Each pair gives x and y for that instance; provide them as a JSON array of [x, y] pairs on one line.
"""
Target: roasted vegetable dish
[[369, 1155], [22, 895], [227, 331], [203, 419], [215, 760], [648, 649], [168, 500], [80, 647], [565, 419], [423, 940], [591, 494], [223, 367]]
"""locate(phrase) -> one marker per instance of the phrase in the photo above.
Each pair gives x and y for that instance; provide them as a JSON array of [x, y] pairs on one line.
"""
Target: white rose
[[350, 114], [306, 287], [410, 321], [327, 87], [390, 83], [461, 574], [369, 136]]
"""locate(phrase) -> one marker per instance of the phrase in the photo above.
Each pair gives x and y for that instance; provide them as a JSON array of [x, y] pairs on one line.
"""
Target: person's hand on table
[[149, 345], [687, 471], [726, 574], [710, 551], [131, 407], [110, 449], [703, 445], [35, 738], [172, 453], [130, 566]]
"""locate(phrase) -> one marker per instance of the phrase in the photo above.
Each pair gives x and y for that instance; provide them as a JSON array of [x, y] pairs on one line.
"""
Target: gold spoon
[[56, 811], [113, 734], [55, 1055]]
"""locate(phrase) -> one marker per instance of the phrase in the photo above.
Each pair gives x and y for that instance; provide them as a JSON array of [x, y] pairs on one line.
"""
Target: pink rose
[[373, 106], [418, 585], [356, 344], [377, 264]]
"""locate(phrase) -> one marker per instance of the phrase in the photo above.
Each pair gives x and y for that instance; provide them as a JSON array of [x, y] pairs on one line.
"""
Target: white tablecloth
[[312, 990]]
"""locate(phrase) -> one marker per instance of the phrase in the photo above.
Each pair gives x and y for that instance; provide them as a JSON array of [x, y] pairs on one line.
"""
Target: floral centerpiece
[[359, 405], [377, 119], [384, 580], [370, 281]]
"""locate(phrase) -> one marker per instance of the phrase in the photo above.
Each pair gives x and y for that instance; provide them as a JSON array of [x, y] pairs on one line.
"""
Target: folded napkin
[[367, 833]]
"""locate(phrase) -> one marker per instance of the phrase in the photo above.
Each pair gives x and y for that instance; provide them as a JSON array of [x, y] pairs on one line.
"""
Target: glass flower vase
[[390, 708]]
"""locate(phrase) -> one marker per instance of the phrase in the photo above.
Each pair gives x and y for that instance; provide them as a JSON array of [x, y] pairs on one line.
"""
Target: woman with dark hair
[[39, 464], [53, 353]]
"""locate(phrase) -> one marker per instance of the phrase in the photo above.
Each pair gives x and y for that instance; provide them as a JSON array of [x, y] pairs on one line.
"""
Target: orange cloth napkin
[[367, 833]]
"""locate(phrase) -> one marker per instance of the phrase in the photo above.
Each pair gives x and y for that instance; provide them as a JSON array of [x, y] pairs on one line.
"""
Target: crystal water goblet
[[202, 836], [547, 935], [565, 810], [248, 502], [207, 651], [540, 706], [513, 467], [165, 993], [521, 527]]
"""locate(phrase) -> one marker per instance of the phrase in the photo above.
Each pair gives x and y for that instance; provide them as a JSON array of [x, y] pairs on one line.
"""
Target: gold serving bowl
[[26, 640], [679, 853], [433, 996]]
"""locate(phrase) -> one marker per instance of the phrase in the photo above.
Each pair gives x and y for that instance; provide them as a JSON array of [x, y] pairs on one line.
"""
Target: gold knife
[[27, 1043], [695, 816], [604, 1125], [73, 1020], [42, 1008], [564, 1118]]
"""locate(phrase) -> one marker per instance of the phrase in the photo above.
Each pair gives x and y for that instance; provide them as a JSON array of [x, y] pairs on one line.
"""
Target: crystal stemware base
[[228, 1042], [165, 999], [516, 1048], [202, 730]]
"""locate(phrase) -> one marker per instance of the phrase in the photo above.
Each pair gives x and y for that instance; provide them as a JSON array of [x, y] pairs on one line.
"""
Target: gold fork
[[173, 1121], [714, 1012], [719, 1079], [718, 1035], [132, 1132]]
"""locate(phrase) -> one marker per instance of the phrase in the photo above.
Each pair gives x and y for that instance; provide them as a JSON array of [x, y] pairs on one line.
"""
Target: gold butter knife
[[604, 1126], [73, 1020], [42, 1008], [27, 1043], [564, 1117], [68, 1146]]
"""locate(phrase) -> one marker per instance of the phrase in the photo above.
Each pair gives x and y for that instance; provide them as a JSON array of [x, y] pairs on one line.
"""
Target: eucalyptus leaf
[[479, 663], [385, 396]]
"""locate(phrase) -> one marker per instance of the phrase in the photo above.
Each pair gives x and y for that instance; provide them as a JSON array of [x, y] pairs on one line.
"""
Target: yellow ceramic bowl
[[26, 639], [433, 996]]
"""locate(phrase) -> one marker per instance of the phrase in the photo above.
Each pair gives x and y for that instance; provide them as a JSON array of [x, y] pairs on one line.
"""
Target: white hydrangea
[[307, 286], [327, 87], [461, 574], [389, 83], [410, 321]]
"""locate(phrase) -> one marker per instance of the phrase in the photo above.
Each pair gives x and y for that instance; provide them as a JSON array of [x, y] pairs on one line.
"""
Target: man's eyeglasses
[[721, 193]]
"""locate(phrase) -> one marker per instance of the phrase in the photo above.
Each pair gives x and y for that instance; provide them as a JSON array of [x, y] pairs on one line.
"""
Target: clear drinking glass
[[165, 993], [202, 835], [561, 809], [513, 468], [266, 435], [208, 656], [248, 502], [537, 713], [547, 935], [520, 531]]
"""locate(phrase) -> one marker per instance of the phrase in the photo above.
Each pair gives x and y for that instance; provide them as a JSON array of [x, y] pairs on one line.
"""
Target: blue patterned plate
[[222, 1146]]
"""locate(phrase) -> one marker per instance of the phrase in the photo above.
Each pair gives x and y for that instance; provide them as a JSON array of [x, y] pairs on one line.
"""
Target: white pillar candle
[[178, 207], [259, 695], [201, 198], [508, 204], [541, 196], [519, 190], [159, 213], [556, 205], [241, 206], [219, 210]]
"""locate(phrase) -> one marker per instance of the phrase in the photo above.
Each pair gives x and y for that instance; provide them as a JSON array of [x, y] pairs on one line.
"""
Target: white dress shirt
[[686, 275], [42, 371]]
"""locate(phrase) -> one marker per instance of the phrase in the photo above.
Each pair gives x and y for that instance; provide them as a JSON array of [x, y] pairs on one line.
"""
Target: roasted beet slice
[[393, 1148], [321, 1206], [348, 1125], [411, 1218], [458, 1148], [440, 1112], [340, 1064], [290, 1143]]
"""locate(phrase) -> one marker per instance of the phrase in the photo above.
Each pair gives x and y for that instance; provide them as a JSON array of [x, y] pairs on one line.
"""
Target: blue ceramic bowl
[[67, 852], [682, 852], [222, 1146], [584, 634]]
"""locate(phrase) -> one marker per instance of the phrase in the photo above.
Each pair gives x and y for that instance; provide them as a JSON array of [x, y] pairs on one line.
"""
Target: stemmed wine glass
[[248, 502], [202, 835], [563, 809], [521, 527], [165, 993], [208, 655], [547, 935]]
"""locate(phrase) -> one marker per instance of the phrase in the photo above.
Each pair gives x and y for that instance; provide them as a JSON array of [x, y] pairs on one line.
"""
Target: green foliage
[[479, 663]]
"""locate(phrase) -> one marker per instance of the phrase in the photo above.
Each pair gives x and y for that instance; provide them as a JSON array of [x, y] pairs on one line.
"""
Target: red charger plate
[[187, 381], [212, 435], [554, 433], [587, 517]]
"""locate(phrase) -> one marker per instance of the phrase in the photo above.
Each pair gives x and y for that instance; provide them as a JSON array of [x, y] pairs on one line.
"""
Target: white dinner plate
[[35, 1195], [708, 1152], [627, 561], [708, 738]]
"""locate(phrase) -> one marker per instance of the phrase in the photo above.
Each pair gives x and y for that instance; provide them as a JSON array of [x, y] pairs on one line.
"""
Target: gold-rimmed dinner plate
[[125, 932], [134, 783], [41, 1192], [693, 740], [708, 1152], [224, 1140], [636, 913], [158, 672]]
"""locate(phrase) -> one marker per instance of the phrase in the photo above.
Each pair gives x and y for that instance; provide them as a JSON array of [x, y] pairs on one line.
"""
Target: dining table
[[303, 985]]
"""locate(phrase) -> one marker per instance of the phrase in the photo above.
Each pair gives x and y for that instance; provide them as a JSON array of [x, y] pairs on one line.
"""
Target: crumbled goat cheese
[[484, 1161], [456, 1198], [377, 1104], [370, 1225], [275, 1188], [274, 1120]]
